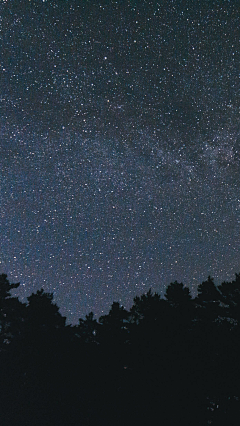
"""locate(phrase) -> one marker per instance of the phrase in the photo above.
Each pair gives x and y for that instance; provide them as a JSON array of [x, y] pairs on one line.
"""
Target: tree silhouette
[[6, 287], [177, 294], [146, 308], [208, 301], [176, 358], [42, 312], [114, 333], [87, 329], [230, 297], [182, 308], [207, 291], [12, 312], [115, 319]]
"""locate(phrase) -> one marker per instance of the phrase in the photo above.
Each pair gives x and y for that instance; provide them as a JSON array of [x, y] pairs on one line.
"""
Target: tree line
[[172, 359]]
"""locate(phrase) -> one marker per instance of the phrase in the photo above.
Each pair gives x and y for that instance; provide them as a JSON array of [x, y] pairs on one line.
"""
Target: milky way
[[120, 147]]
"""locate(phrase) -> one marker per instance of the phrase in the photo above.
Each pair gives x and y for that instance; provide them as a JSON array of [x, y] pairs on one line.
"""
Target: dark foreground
[[170, 361]]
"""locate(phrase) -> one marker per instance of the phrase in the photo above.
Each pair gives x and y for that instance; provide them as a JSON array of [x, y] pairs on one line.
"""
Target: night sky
[[120, 147]]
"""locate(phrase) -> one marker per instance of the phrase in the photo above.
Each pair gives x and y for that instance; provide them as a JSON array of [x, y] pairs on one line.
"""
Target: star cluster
[[120, 147]]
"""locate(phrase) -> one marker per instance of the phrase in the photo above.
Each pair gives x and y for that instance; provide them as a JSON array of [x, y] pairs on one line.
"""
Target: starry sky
[[119, 149]]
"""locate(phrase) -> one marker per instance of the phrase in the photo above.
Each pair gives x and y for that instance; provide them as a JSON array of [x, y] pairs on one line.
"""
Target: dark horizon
[[174, 359]]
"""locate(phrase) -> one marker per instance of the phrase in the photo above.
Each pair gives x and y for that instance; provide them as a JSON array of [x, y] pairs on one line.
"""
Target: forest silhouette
[[172, 360]]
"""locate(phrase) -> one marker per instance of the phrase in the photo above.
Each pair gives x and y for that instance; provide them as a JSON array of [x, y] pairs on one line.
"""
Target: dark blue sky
[[120, 147]]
